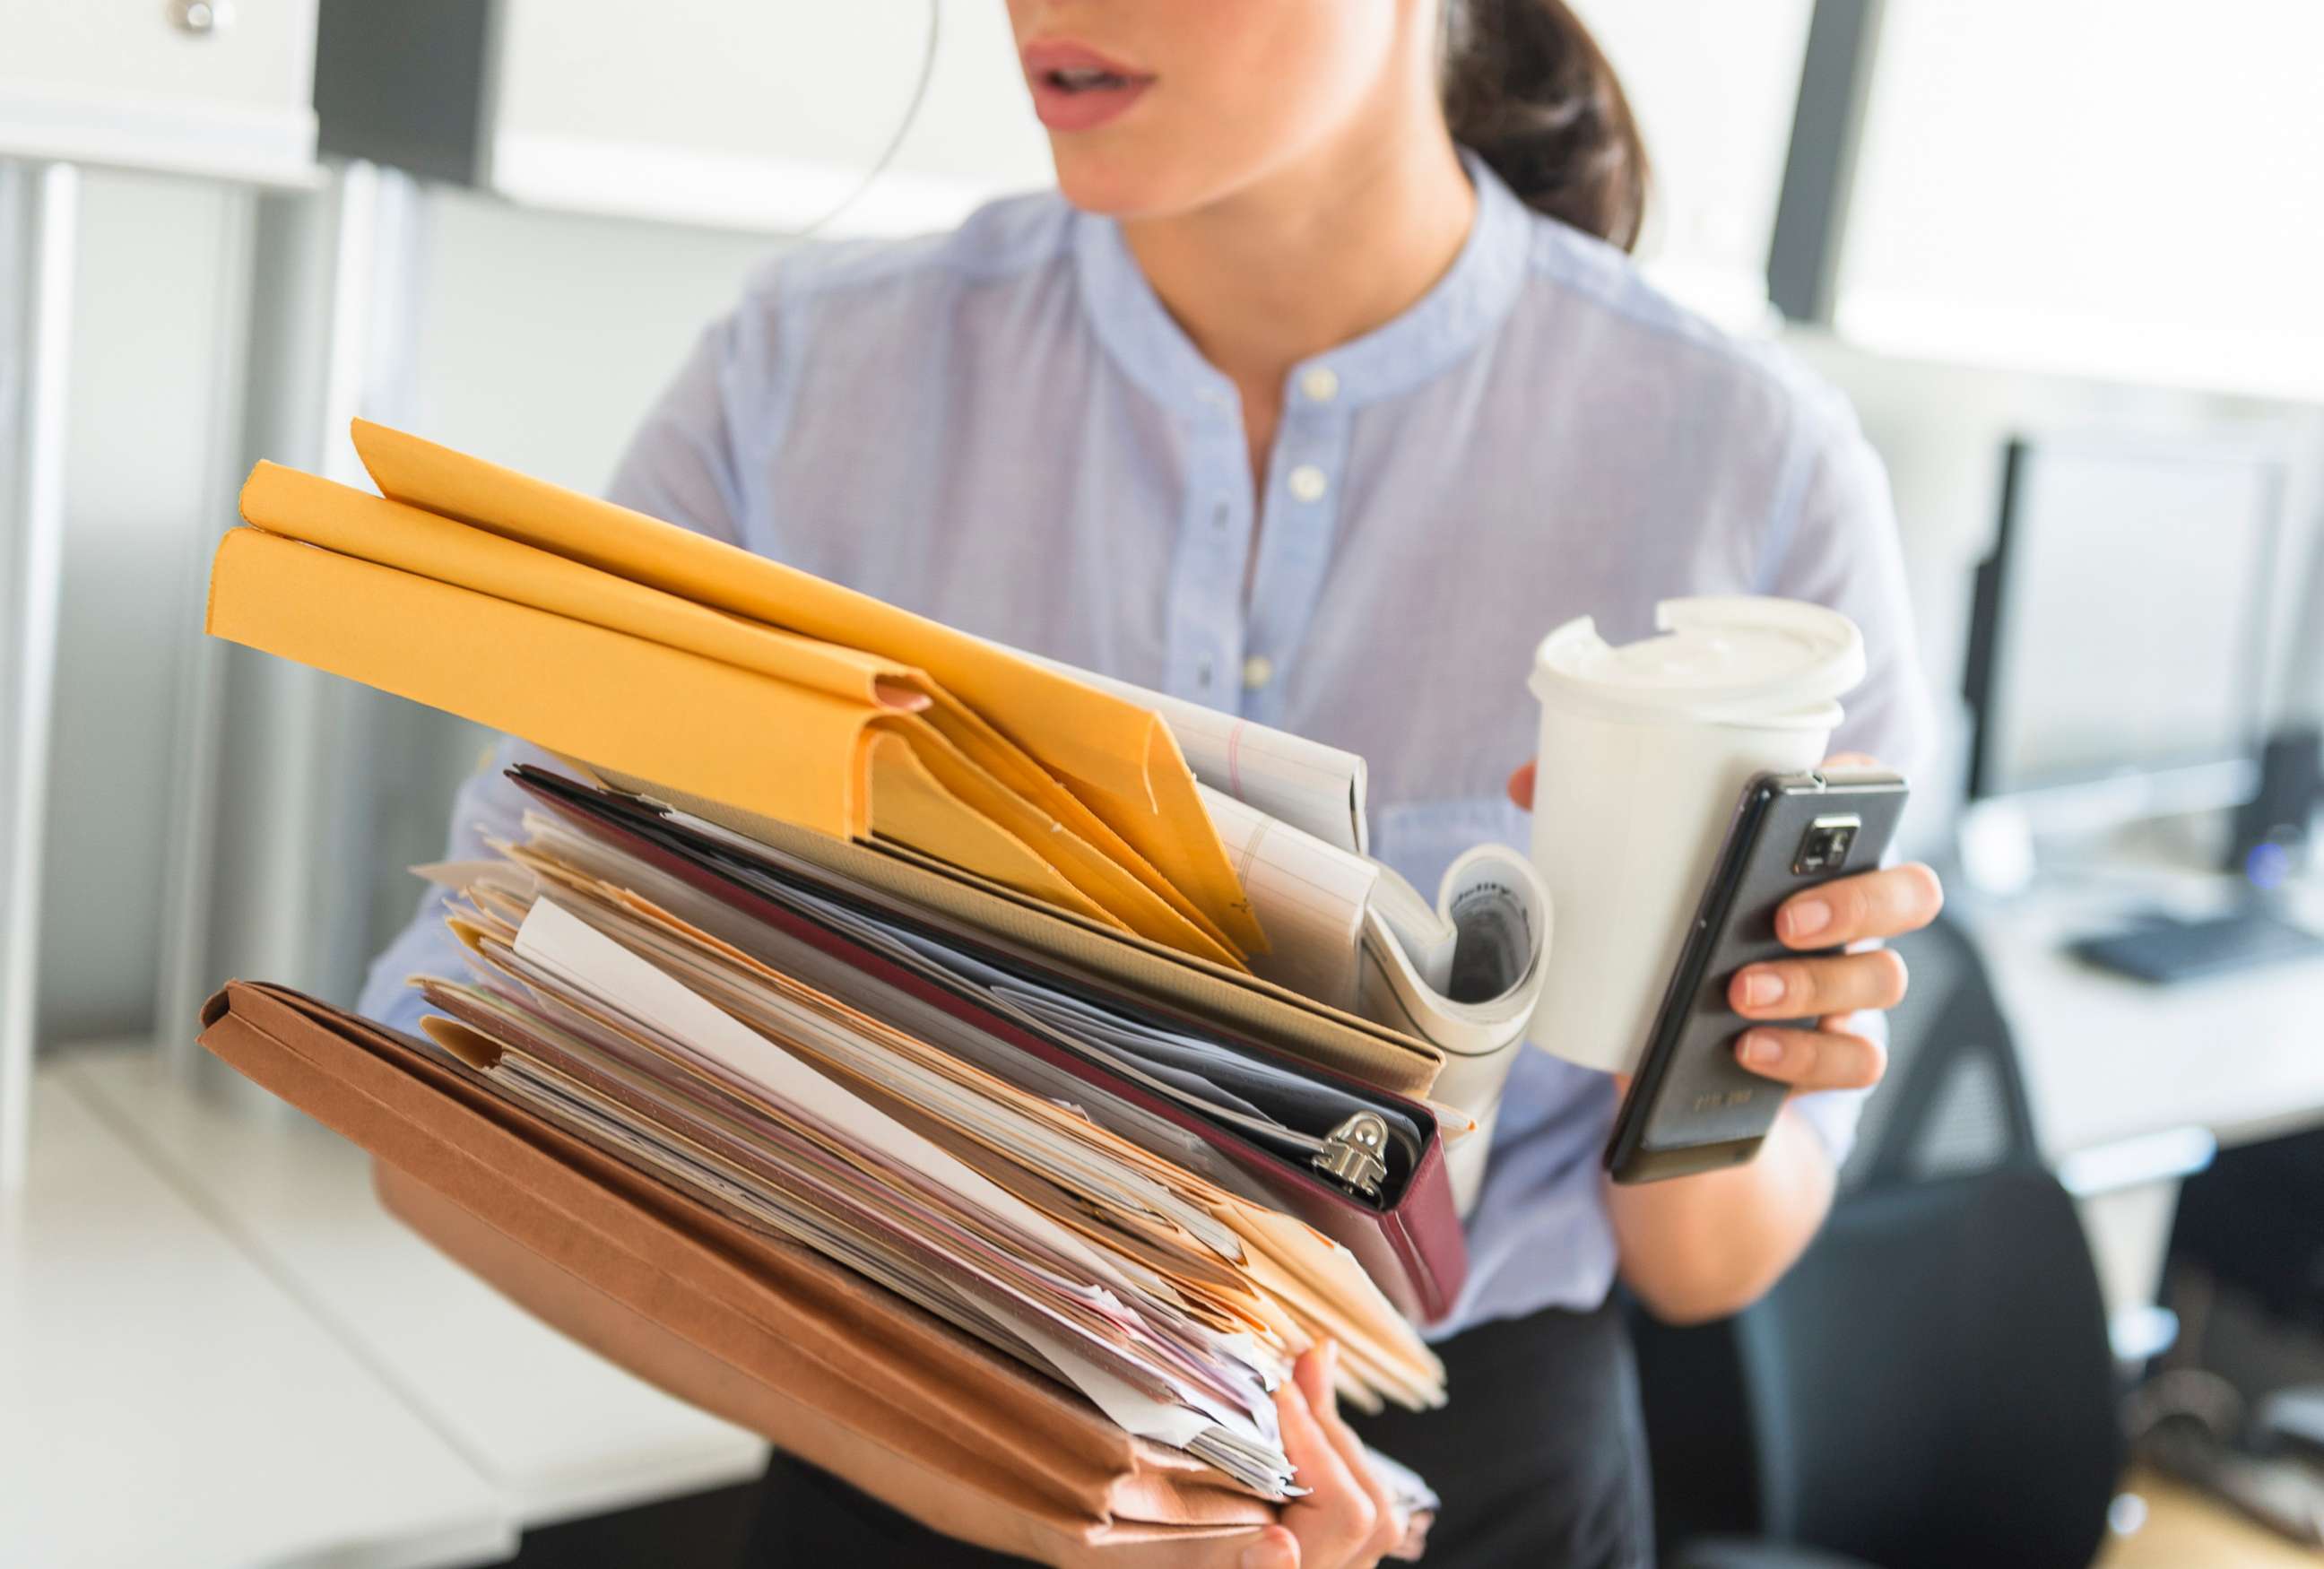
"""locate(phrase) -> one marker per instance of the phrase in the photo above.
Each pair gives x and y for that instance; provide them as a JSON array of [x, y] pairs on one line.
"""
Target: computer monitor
[[2119, 634]]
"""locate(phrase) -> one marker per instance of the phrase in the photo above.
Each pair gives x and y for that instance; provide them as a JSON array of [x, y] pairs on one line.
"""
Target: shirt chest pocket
[[1421, 838]]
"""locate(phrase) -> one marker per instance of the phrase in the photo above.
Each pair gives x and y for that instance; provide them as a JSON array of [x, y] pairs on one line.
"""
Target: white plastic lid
[[1732, 659]]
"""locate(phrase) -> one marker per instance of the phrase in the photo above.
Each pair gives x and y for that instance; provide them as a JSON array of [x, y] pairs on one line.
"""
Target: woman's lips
[[1076, 88]]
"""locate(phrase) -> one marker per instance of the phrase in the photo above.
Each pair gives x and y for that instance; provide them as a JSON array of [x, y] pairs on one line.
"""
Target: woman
[[1320, 393]]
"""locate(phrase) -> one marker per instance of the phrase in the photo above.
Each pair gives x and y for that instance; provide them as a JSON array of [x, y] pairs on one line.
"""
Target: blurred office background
[[2068, 259]]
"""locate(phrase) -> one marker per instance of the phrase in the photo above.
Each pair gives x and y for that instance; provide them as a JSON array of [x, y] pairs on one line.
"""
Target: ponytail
[[1527, 89]]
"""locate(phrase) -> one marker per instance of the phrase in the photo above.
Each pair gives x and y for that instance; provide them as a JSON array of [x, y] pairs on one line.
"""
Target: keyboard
[[2164, 949]]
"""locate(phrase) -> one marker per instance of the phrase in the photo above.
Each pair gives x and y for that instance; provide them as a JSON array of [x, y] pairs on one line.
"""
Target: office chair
[[1931, 1384]]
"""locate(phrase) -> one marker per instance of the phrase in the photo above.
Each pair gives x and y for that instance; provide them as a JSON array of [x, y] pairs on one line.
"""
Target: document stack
[[978, 1078]]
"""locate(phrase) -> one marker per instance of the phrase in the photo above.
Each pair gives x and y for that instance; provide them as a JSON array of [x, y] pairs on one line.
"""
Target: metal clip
[[1353, 1153]]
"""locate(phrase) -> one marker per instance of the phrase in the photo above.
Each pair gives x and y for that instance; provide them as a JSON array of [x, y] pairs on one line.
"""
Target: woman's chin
[[1113, 186]]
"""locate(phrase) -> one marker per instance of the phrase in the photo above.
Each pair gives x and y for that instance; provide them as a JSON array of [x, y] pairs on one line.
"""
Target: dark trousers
[[1540, 1460]]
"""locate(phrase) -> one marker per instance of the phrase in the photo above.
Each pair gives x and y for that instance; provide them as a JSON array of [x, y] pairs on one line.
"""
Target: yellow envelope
[[1101, 883], [1091, 870], [1007, 762], [1121, 759], [622, 702], [912, 806], [387, 533]]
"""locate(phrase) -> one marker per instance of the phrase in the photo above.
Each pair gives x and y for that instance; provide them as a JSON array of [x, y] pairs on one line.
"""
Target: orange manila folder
[[583, 661], [1119, 759]]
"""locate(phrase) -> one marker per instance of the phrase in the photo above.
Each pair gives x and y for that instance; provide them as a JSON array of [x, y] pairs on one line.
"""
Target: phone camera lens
[[1823, 848]]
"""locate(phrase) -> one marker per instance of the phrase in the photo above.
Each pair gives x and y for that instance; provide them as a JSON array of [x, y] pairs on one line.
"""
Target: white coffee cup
[[1645, 750]]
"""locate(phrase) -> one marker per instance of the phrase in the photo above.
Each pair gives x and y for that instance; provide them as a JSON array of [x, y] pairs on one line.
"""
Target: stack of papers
[[745, 1325], [965, 1177], [1053, 1024]]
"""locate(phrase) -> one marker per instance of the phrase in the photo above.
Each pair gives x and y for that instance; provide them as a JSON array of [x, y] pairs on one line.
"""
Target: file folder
[[1119, 758], [1408, 1237], [710, 699], [768, 1334]]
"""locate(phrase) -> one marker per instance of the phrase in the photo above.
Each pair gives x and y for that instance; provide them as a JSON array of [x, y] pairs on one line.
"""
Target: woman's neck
[[1318, 253], [1333, 244]]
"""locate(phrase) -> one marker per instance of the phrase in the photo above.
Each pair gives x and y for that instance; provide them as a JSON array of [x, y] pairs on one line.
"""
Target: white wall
[[543, 338], [540, 341], [767, 115], [1713, 84], [2128, 187], [158, 274]]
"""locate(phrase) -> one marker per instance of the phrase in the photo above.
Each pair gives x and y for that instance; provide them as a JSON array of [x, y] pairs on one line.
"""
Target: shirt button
[[1308, 484], [1257, 671], [1321, 383]]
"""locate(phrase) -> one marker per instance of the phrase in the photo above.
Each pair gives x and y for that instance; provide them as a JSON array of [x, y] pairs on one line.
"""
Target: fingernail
[[1760, 1049], [1808, 917], [1761, 987]]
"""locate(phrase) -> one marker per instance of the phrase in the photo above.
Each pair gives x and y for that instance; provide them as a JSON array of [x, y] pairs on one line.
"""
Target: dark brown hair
[[1528, 88]]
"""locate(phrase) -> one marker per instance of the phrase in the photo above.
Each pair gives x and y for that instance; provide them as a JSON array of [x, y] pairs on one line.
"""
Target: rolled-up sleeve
[[1841, 549]]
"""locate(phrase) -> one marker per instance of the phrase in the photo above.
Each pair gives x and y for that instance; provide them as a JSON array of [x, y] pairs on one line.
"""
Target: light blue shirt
[[1003, 429]]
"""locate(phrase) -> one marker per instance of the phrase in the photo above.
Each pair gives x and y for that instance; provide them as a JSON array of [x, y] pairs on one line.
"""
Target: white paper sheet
[[568, 947]]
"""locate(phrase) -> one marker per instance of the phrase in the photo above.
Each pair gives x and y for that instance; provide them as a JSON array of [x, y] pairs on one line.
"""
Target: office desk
[[2106, 1057], [217, 1348], [163, 1401]]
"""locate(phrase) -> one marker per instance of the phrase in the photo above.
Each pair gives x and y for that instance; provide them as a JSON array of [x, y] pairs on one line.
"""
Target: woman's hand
[[1851, 912], [1711, 1244], [1347, 1520]]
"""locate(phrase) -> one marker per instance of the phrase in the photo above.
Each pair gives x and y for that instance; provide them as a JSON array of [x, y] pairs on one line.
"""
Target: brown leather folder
[[825, 1363]]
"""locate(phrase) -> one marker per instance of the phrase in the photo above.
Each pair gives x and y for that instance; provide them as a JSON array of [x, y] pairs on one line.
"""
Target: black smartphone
[[1693, 1107]]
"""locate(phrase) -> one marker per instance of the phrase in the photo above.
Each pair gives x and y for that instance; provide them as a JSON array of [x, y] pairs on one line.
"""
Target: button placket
[[1205, 606], [1294, 538], [1229, 547]]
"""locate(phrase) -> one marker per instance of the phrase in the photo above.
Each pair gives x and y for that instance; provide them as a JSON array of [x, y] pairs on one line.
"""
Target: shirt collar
[[1445, 324]]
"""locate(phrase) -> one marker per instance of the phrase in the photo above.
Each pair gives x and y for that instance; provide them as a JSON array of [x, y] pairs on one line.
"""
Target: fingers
[[1314, 1373], [1872, 904], [1809, 988], [1336, 1517], [1521, 786], [1813, 1060], [1275, 1548], [1415, 1545]]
